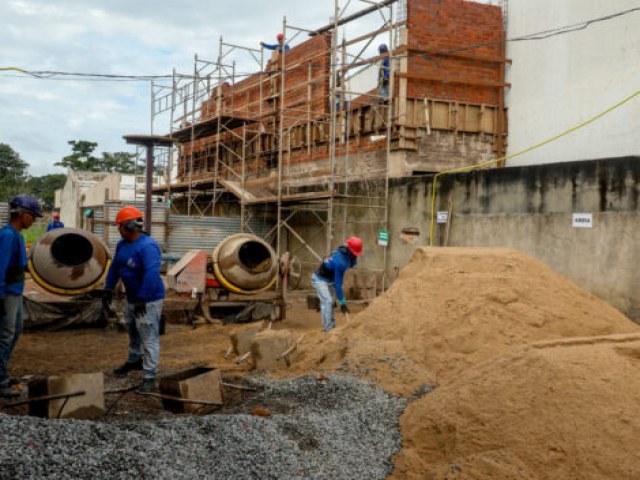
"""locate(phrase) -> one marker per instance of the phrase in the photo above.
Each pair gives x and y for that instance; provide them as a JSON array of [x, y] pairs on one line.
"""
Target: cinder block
[[89, 405], [268, 346], [241, 340], [200, 383]]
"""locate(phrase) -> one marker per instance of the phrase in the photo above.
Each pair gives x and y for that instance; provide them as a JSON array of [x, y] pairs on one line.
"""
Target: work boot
[[128, 367], [7, 392], [148, 385]]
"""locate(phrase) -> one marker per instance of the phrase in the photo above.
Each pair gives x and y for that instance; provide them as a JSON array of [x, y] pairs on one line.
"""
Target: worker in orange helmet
[[329, 277], [137, 263]]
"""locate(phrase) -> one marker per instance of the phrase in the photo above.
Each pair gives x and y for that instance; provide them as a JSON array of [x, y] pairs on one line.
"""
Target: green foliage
[[13, 172], [82, 159], [33, 233], [44, 188]]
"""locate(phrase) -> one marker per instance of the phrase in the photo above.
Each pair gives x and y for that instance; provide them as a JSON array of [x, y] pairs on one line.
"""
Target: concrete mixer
[[69, 261], [241, 272]]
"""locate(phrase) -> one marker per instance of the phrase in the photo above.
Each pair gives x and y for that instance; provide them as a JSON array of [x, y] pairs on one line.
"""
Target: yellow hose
[[65, 291], [521, 152]]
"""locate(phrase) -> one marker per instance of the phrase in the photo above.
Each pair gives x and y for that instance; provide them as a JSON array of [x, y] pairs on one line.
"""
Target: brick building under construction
[[297, 145]]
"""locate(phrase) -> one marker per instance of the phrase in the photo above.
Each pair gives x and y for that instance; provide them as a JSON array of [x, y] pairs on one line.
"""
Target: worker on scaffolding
[[275, 65], [329, 277], [55, 222], [137, 262], [383, 72], [13, 261]]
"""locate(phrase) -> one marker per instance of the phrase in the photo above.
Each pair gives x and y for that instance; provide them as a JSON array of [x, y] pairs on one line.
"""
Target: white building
[[560, 81]]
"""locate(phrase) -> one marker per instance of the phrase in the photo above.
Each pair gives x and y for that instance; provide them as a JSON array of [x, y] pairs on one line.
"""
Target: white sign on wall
[[442, 217], [582, 220]]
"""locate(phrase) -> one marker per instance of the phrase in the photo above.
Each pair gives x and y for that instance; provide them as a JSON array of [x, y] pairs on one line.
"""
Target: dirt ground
[[515, 371]]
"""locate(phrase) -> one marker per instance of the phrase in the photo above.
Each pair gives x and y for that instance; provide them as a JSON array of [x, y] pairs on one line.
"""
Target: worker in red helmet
[[137, 263], [13, 261], [279, 47], [329, 277], [55, 222]]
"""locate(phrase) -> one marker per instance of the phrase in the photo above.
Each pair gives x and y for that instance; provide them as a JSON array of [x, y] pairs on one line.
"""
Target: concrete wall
[[107, 189], [560, 81], [528, 208]]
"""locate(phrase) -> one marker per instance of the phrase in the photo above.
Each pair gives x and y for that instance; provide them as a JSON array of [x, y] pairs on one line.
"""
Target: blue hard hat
[[383, 48], [26, 202]]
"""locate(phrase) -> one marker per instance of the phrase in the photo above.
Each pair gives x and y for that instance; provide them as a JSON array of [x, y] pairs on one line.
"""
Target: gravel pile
[[338, 428]]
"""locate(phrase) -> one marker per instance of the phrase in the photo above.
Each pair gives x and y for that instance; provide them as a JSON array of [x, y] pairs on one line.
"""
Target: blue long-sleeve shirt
[[338, 263], [383, 72], [138, 265], [276, 46], [53, 225], [13, 260]]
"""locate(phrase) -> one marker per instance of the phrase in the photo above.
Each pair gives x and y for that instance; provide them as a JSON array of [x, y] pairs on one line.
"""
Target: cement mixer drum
[[69, 261], [244, 263]]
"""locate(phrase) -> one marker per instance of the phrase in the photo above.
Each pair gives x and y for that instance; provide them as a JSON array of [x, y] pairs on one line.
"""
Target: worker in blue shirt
[[137, 263], [383, 72], [329, 279], [55, 222], [276, 46], [13, 262]]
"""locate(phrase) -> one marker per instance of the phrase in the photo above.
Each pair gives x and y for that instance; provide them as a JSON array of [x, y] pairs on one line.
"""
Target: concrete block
[[199, 383], [89, 405], [241, 340], [267, 347]]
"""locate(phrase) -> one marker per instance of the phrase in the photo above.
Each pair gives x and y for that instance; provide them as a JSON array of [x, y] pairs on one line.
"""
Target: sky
[[122, 37]]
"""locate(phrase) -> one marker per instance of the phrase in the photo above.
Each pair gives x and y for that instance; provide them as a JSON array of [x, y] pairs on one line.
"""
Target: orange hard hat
[[127, 213], [355, 245]]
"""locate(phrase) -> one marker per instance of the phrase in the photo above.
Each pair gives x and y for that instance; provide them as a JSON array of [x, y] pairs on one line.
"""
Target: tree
[[122, 162], [44, 187], [13, 172], [82, 158]]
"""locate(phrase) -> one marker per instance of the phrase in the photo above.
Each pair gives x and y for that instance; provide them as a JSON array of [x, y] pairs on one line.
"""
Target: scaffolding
[[261, 144]]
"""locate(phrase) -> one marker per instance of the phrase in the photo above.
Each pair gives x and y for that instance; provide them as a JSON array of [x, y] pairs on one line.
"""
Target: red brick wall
[[243, 98], [454, 25]]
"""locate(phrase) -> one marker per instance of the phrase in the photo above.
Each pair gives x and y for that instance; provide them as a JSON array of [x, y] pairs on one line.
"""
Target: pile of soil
[[563, 409], [452, 308]]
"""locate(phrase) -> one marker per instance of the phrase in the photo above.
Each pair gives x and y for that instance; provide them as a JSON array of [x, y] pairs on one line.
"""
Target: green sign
[[383, 237]]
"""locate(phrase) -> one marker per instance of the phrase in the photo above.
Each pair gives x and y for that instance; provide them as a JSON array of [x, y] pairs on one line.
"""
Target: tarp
[[52, 316]]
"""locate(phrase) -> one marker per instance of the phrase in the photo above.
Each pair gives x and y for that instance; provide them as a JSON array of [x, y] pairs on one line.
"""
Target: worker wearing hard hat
[[383, 72], [330, 276], [279, 47], [13, 262], [55, 222], [137, 263]]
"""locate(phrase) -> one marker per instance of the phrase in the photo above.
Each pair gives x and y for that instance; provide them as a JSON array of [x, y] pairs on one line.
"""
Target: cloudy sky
[[124, 37]]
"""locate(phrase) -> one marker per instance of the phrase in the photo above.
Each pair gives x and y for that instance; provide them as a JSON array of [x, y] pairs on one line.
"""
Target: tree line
[[15, 178]]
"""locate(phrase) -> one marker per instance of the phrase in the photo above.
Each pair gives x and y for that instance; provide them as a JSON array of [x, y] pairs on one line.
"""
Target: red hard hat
[[127, 213], [56, 215], [355, 245], [280, 36]]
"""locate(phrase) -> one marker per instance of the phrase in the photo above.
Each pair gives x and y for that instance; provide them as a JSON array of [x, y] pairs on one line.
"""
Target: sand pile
[[566, 409], [452, 308]]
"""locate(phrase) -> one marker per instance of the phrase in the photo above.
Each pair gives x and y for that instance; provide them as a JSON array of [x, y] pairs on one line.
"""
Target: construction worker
[[278, 47], [330, 276], [55, 222], [13, 261], [383, 72], [137, 262]]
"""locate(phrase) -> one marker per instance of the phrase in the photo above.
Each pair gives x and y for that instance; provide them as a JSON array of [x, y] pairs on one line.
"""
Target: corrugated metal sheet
[[182, 232], [205, 233], [4, 213], [159, 213]]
